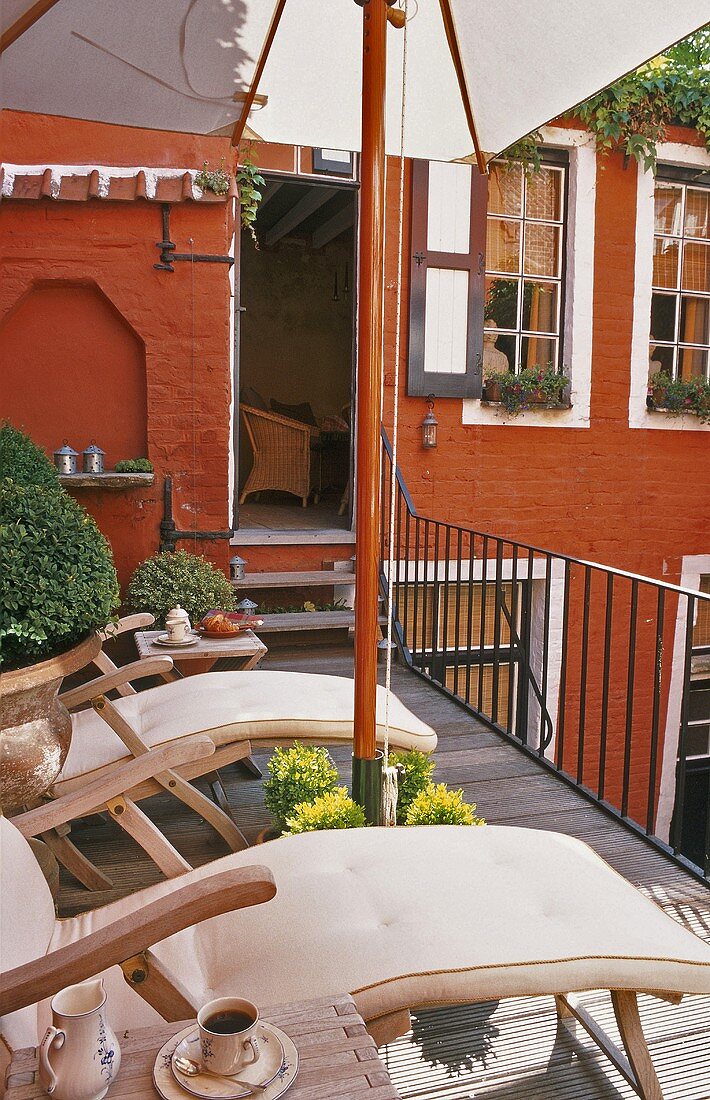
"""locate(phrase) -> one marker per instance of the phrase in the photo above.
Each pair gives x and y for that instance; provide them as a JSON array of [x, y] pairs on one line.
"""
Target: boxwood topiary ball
[[22, 461], [161, 582], [57, 578]]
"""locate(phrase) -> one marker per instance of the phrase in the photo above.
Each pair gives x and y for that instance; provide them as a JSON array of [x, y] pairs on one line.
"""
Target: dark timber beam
[[334, 226], [272, 187], [303, 209]]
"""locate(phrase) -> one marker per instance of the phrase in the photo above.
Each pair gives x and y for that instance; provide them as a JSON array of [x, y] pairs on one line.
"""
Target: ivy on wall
[[633, 114]]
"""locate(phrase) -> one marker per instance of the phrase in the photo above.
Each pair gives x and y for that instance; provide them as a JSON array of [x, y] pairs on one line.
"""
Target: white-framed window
[[680, 298], [525, 236]]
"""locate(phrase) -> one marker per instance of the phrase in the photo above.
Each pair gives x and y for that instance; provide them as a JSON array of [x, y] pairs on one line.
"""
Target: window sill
[[109, 480], [533, 407], [664, 410]]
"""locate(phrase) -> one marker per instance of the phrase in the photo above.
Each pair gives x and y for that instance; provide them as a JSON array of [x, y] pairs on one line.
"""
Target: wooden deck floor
[[508, 1050]]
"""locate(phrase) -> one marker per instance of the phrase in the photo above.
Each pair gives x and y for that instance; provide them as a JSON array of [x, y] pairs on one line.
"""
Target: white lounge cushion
[[238, 706], [422, 916]]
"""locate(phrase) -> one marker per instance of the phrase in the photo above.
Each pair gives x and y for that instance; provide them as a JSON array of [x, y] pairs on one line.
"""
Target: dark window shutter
[[447, 286]]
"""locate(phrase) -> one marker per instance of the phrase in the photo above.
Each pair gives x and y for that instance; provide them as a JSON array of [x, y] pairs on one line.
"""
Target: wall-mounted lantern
[[237, 568], [93, 459], [65, 458], [430, 425]]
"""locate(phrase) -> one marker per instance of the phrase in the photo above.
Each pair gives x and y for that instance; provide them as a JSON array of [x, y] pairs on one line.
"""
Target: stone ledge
[[109, 480]]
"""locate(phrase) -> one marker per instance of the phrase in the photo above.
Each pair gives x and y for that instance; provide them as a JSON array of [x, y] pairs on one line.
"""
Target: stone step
[[298, 621], [316, 578]]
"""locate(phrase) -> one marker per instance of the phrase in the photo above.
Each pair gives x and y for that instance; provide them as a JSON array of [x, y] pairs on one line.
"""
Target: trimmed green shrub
[[297, 775], [437, 805], [161, 582], [334, 810], [134, 466], [57, 578], [23, 462], [415, 774]]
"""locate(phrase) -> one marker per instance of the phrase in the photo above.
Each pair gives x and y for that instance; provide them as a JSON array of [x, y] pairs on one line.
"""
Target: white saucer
[[166, 640], [277, 1068]]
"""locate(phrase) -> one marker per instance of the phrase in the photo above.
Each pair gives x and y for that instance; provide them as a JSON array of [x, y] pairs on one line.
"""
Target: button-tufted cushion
[[237, 706], [422, 916]]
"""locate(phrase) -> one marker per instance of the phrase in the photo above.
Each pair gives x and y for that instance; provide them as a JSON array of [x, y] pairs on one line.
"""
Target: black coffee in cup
[[228, 1023]]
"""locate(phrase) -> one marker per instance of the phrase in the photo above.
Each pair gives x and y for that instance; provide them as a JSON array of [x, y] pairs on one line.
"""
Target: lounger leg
[[251, 767], [626, 1011], [149, 836], [638, 1068], [76, 862]]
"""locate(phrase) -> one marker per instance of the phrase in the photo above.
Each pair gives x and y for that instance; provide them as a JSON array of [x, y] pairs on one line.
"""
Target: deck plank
[[508, 1050]]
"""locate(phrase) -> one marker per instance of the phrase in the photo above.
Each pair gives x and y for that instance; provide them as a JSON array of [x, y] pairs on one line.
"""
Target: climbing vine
[[633, 115], [249, 182]]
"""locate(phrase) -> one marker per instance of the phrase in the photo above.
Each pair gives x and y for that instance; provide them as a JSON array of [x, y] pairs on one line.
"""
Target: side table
[[337, 1056]]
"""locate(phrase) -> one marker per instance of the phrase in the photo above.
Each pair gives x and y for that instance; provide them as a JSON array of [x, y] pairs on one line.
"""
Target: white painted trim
[[693, 568], [684, 156], [579, 292]]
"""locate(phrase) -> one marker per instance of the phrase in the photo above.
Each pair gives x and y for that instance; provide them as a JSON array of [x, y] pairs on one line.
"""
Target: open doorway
[[296, 359]]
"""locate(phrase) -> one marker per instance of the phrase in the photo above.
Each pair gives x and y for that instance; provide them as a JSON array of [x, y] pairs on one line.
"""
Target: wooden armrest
[[195, 897], [129, 622], [137, 670], [115, 782]]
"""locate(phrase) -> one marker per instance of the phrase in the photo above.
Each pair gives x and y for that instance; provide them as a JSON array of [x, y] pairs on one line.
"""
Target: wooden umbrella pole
[[367, 768]]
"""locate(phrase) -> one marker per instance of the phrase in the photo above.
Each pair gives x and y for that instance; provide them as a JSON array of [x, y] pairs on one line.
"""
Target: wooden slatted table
[[338, 1059], [243, 651]]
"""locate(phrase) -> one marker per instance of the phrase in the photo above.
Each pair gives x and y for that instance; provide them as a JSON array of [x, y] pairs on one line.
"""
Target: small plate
[[277, 1068], [166, 640]]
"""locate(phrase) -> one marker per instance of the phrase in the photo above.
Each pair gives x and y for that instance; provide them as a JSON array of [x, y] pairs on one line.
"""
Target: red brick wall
[[159, 339]]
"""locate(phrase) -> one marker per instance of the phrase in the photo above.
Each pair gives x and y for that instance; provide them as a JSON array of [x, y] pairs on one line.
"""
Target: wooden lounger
[[400, 918]]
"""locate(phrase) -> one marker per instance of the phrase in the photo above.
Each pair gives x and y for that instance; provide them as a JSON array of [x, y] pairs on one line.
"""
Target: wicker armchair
[[282, 453]]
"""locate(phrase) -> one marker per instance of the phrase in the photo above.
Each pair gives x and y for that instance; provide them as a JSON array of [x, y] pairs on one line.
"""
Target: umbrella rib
[[25, 22], [238, 130], [450, 28]]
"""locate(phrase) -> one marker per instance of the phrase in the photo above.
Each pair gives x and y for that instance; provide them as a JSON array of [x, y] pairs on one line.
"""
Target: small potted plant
[[493, 385], [438, 805], [296, 775], [531, 386], [165, 580], [58, 586], [333, 810], [134, 466], [701, 400]]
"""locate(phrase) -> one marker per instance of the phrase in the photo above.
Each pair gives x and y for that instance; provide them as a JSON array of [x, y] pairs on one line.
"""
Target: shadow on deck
[[508, 1050]]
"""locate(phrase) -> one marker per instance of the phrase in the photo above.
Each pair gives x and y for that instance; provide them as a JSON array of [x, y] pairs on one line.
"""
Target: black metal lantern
[[430, 425]]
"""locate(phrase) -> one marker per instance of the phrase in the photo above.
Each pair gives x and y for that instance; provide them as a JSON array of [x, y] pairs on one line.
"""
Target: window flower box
[[677, 396], [530, 388]]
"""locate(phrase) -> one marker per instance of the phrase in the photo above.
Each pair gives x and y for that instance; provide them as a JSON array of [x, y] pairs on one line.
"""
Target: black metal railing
[[585, 667]]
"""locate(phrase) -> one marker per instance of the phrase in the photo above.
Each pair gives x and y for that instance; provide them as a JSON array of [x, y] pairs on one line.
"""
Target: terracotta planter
[[493, 391], [538, 397], [659, 397], [35, 728]]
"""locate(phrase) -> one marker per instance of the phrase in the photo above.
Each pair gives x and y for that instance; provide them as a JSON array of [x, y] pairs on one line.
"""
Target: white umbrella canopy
[[178, 64]]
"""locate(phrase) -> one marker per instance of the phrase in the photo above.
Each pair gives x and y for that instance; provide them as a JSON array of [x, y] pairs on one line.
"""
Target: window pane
[[665, 262], [696, 267], [699, 700], [692, 363], [544, 195], [503, 245], [663, 309], [694, 321], [498, 351], [660, 359], [697, 742], [502, 302], [540, 307], [538, 352], [542, 250], [668, 207], [505, 189], [696, 213]]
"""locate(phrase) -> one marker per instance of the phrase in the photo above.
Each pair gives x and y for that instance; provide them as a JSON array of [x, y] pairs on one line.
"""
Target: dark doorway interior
[[296, 358]]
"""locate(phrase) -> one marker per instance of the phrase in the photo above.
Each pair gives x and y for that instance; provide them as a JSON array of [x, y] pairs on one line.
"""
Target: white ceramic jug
[[79, 1056]]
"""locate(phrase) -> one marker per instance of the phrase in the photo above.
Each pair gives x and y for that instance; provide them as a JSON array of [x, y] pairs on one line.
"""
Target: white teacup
[[227, 1029]]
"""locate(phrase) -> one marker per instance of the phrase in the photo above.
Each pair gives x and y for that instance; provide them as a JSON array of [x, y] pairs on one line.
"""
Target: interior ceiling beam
[[271, 188], [303, 209], [24, 23], [334, 226]]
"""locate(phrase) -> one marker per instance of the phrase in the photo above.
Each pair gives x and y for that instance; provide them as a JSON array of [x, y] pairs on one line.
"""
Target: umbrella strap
[[389, 790]]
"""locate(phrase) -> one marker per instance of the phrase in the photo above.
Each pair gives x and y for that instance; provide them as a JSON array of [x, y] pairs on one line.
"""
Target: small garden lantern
[[430, 425], [65, 459], [93, 459], [247, 606], [237, 568]]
